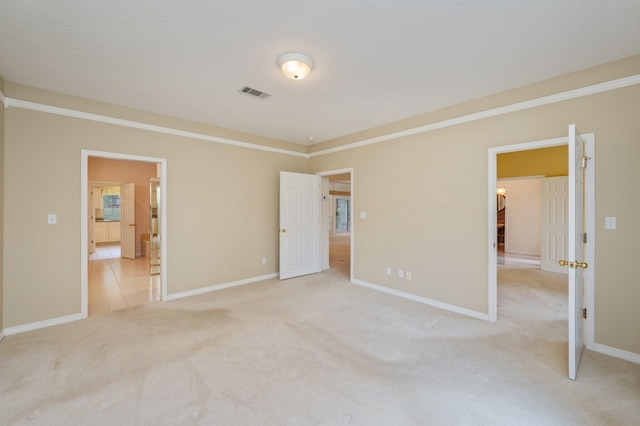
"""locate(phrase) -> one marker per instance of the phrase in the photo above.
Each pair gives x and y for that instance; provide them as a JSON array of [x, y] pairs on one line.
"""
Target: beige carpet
[[316, 350]]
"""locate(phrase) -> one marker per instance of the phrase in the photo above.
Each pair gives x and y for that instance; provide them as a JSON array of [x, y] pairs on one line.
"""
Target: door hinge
[[584, 161], [584, 313], [584, 238]]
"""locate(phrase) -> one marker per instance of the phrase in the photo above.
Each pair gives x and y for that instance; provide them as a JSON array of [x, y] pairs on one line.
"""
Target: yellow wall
[[426, 196], [547, 162], [222, 204]]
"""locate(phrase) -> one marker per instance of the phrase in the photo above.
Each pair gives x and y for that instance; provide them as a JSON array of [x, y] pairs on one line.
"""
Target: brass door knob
[[283, 230], [573, 265]]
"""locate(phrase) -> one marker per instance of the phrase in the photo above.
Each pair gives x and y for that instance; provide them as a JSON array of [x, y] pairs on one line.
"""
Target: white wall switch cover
[[52, 219], [363, 215], [408, 275], [388, 270], [400, 273], [609, 223]]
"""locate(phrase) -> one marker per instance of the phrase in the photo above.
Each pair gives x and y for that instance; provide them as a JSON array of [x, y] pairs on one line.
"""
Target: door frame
[[589, 223], [325, 224], [84, 210]]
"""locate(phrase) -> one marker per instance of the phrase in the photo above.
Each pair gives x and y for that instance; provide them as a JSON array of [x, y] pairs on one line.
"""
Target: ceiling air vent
[[254, 92]]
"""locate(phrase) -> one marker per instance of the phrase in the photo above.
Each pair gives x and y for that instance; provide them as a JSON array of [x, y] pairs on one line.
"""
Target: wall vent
[[254, 92]]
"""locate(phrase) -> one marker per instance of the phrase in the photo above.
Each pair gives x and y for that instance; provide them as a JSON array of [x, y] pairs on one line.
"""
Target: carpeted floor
[[317, 350]]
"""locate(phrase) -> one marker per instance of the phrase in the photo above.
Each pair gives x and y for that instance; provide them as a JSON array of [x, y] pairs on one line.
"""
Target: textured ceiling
[[377, 61]]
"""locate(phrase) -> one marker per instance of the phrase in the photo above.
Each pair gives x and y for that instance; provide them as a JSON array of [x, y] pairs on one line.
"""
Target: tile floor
[[116, 283]]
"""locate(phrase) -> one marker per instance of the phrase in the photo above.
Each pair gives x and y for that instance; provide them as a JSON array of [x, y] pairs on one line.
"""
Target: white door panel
[[555, 227], [300, 226], [575, 249], [127, 221]]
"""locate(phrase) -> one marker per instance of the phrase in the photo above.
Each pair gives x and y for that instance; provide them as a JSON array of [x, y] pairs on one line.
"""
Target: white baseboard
[[426, 301], [1, 335], [219, 287], [618, 353], [41, 324]]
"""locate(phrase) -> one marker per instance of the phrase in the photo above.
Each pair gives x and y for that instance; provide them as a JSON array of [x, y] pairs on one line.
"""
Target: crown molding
[[4, 100], [33, 106], [533, 103]]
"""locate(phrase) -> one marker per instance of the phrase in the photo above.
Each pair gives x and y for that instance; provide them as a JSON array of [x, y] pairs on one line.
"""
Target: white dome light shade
[[296, 66]]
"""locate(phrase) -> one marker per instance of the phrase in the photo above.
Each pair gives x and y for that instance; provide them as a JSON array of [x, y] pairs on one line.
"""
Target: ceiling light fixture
[[295, 65]]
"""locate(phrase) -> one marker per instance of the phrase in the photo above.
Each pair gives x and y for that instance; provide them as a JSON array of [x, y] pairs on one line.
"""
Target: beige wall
[[2, 209], [549, 162], [522, 216], [222, 206], [124, 171], [426, 196]]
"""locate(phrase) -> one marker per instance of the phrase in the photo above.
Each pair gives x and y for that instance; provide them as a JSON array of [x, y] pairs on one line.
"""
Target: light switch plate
[[609, 223], [363, 215], [52, 219]]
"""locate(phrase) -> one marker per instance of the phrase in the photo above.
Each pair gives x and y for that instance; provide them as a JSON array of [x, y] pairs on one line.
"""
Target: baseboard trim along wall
[[426, 301], [1, 335], [220, 286], [618, 353], [41, 324]]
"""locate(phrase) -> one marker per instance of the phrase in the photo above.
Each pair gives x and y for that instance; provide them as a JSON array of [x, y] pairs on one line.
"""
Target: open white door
[[555, 229], [575, 252], [91, 220], [127, 221], [300, 225]]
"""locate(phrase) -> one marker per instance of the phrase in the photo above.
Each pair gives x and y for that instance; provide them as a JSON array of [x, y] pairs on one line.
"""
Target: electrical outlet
[[400, 273], [388, 270], [264, 260], [408, 275]]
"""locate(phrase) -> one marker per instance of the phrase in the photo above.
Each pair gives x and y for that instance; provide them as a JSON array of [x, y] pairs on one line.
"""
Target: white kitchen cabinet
[[98, 201], [101, 232], [114, 231], [107, 232]]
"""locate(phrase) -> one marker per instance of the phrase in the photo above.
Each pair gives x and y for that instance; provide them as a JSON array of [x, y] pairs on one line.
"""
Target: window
[[111, 204]]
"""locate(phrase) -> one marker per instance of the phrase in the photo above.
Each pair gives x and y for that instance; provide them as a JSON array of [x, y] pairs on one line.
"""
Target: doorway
[[589, 211], [129, 280], [337, 219]]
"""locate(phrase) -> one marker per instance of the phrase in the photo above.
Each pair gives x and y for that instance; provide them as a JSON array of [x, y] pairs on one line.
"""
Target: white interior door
[[575, 252], [127, 221], [91, 220], [555, 229], [300, 224]]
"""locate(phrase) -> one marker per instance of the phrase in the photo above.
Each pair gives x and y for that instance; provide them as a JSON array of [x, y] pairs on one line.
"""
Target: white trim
[[4, 99], [426, 301], [84, 205], [217, 287], [41, 324], [353, 224], [533, 103], [590, 248], [144, 126], [618, 353], [589, 226], [1, 335]]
